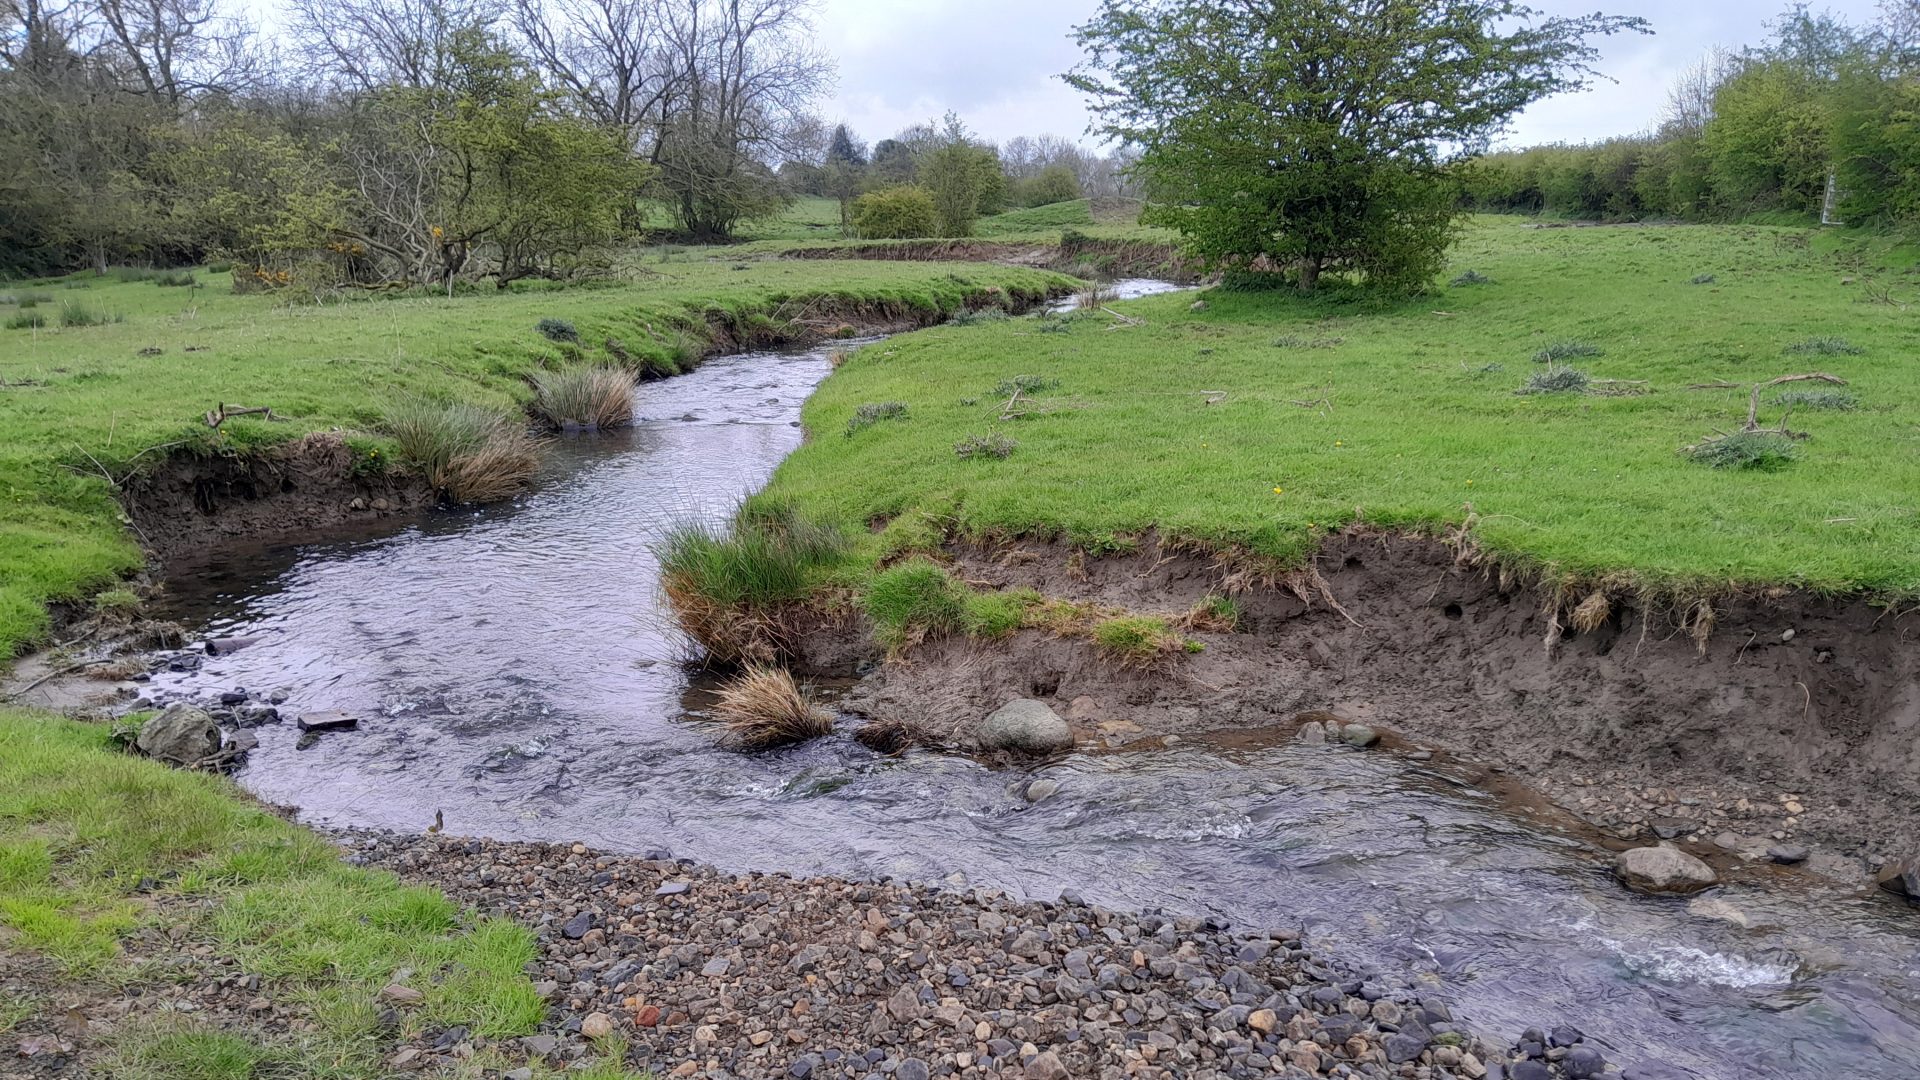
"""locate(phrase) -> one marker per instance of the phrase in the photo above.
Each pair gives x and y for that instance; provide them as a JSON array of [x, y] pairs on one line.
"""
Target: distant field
[[76, 400], [1266, 420]]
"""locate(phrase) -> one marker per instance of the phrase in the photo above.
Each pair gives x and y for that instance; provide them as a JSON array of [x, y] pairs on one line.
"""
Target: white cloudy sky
[[993, 62]]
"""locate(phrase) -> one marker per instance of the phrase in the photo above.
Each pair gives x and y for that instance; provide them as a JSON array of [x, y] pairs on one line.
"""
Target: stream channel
[[514, 668]]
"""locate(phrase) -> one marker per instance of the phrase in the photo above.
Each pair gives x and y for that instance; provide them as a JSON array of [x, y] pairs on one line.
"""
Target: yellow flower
[[1337, 442], [1469, 483], [1279, 491]]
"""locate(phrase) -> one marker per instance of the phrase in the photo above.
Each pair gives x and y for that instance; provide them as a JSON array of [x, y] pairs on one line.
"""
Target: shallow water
[[513, 669]]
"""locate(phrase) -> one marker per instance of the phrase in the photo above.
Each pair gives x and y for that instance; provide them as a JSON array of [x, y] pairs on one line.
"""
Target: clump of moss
[[558, 330]]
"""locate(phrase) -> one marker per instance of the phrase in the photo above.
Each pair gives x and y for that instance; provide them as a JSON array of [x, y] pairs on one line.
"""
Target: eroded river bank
[[513, 671]]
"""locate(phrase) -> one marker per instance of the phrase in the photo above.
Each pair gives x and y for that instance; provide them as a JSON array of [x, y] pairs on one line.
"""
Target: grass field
[[96, 845], [1265, 420], [79, 400]]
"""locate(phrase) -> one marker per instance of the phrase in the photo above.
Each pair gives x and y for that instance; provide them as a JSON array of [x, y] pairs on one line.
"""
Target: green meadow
[[1262, 420]]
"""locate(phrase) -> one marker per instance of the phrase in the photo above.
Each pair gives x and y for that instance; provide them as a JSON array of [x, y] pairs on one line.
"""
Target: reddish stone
[[648, 1016]]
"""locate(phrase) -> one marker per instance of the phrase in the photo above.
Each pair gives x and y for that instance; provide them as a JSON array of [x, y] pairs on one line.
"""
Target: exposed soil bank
[[188, 503], [1081, 255], [1796, 723]]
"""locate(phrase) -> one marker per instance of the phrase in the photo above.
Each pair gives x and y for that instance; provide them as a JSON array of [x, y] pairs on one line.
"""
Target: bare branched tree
[[169, 49], [365, 44]]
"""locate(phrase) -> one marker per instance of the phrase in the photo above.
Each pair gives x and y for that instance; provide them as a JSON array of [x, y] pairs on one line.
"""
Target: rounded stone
[[1025, 726], [1663, 869]]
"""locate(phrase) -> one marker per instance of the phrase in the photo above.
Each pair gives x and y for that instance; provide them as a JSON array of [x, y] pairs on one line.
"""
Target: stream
[[514, 668]]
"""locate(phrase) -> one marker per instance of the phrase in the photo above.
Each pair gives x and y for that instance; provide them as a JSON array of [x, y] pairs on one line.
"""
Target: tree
[[1054, 184], [900, 213], [1321, 135], [844, 173], [892, 163]]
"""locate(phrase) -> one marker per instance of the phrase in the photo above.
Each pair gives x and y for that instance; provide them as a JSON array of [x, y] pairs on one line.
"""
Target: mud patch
[[188, 504], [1795, 722]]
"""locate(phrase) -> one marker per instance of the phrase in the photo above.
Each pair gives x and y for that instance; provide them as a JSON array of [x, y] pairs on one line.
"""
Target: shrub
[[587, 397], [1764, 450], [902, 213], [27, 320], [985, 446], [466, 452], [74, 313], [1136, 640], [1470, 278], [178, 279], [1824, 346], [1566, 350], [1556, 380], [1830, 400], [763, 708], [873, 412], [731, 589], [558, 330]]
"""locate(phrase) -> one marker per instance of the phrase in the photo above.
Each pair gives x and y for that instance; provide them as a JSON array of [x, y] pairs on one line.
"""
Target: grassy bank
[[120, 875], [81, 403], [1263, 420]]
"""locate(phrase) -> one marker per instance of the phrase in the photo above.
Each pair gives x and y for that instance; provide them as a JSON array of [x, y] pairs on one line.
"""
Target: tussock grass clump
[[1094, 297], [1470, 278], [918, 599], [1028, 385], [733, 590], [176, 279], [27, 320], [1295, 341], [1048, 322], [28, 300], [1824, 346], [873, 412], [1827, 400], [980, 317], [763, 709], [1762, 450], [1567, 350], [1557, 380], [76, 314], [467, 453], [558, 330], [1137, 640], [997, 447], [586, 397], [1218, 614]]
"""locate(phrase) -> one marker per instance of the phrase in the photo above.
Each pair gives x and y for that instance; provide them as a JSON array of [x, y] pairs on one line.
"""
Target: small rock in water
[[182, 735], [1025, 726], [328, 721], [236, 696], [1788, 854], [1360, 735], [1041, 790], [1712, 907], [1585, 1063], [1672, 828], [1663, 869], [1313, 733], [1901, 878]]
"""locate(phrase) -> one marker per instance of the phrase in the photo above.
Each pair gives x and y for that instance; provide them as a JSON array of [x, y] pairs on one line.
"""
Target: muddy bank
[[1793, 724], [704, 973], [1077, 254], [189, 503]]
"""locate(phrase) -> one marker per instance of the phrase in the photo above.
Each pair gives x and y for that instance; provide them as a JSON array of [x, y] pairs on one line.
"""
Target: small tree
[[1056, 183], [902, 213], [845, 172], [1321, 135]]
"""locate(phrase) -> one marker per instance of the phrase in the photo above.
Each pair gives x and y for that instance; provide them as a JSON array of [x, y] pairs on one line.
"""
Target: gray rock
[[716, 967], [1788, 854], [1901, 878], [578, 926], [1403, 1048], [328, 721], [1025, 726], [1312, 733], [1041, 790], [1585, 1063], [912, 1069], [1663, 869], [1359, 735], [182, 735]]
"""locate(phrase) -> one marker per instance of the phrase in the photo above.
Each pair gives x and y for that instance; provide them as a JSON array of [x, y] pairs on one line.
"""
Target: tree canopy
[[1309, 136]]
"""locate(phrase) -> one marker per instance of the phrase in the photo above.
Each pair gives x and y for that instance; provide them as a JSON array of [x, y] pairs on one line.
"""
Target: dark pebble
[[578, 926]]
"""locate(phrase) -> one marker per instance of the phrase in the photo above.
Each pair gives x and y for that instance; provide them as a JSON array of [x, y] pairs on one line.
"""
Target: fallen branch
[[1124, 320], [1753, 402], [52, 675], [222, 413], [1716, 386]]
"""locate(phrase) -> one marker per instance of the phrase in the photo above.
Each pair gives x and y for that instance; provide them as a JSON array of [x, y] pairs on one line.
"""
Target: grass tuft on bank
[[95, 844], [1191, 423]]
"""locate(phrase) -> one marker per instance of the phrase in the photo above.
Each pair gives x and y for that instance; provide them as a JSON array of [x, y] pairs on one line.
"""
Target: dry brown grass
[[1593, 612], [764, 708], [499, 469]]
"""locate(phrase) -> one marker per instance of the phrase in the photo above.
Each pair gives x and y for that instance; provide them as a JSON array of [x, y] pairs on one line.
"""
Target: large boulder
[[181, 735], [1025, 726], [1663, 869]]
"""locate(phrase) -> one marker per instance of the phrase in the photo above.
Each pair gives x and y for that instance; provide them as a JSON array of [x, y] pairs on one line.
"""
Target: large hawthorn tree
[[1317, 136]]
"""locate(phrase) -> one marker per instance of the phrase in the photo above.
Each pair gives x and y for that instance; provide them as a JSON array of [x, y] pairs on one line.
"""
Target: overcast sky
[[994, 62]]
